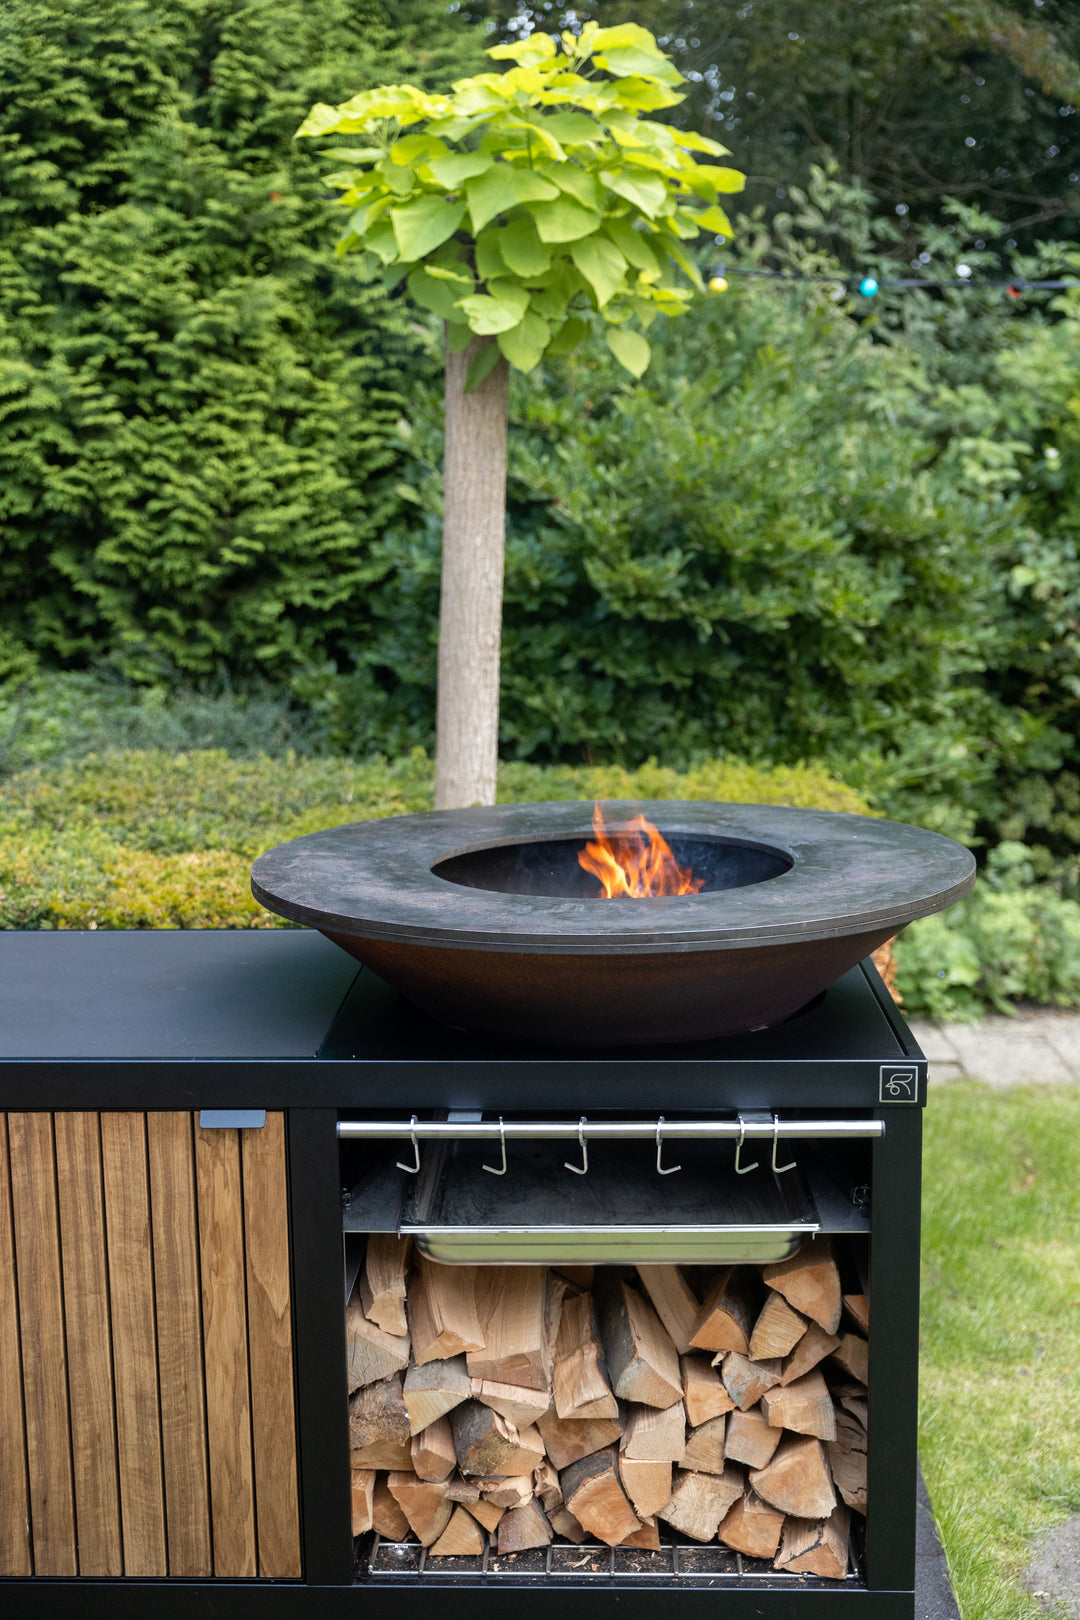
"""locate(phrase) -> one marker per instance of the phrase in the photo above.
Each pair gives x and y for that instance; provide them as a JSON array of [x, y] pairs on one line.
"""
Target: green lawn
[[1000, 1366]]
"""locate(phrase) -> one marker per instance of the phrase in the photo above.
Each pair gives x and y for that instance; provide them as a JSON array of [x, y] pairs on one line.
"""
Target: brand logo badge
[[898, 1083]]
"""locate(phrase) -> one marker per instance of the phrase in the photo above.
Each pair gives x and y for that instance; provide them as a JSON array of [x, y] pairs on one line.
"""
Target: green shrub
[[152, 840], [1013, 939], [197, 406]]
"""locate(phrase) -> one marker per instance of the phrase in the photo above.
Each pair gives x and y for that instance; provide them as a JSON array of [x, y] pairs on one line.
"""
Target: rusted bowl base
[[613, 1000]]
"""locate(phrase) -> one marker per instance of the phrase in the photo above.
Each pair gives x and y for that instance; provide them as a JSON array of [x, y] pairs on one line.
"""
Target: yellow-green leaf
[[622, 60], [481, 365], [699, 143], [564, 220], [528, 52], [714, 219], [602, 265], [645, 191], [630, 349], [645, 95], [451, 171], [631, 244], [488, 314], [575, 182], [620, 36], [573, 128], [501, 189], [717, 178], [433, 294], [424, 224], [567, 338], [523, 344], [380, 238], [321, 120], [522, 249], [489, 259]]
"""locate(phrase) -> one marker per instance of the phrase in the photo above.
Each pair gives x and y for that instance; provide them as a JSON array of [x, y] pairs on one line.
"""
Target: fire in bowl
[[500, 918]]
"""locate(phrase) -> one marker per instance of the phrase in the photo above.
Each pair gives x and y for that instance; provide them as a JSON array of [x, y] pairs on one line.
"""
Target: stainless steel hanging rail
[[495, 1130]]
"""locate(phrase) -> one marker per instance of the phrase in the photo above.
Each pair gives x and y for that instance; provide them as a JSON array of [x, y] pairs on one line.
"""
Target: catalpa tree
[[527, 209]]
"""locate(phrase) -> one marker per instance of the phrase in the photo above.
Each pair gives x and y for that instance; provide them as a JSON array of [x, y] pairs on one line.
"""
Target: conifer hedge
[[197, 407]]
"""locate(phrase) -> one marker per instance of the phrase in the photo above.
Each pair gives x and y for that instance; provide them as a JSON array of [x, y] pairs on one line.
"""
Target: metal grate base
[[563, 1564]]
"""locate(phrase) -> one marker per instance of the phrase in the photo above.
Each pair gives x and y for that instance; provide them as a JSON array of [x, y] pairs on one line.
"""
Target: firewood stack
[[529, 1403]]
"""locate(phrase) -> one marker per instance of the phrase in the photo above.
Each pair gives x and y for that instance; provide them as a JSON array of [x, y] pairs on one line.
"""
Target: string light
[[870, 286]]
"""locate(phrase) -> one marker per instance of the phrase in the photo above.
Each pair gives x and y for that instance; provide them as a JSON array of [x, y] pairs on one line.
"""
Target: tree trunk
[[470, 611]]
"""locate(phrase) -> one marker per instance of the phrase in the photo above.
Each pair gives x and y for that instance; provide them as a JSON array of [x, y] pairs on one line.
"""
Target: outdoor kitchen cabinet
[[172, 1406]]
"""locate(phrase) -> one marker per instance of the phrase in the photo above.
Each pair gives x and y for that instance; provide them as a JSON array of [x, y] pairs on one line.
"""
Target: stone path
[[1039, 1046]]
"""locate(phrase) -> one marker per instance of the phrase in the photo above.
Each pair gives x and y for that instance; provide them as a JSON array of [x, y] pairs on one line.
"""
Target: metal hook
[[490, 1168], [582, 1168], [742, 1169], [778, 1169], [659, 1150], [413, 1169]]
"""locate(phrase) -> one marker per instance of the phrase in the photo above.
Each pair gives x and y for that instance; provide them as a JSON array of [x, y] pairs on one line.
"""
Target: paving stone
[[1004, 1052], [945, 1071], [934, 1041]]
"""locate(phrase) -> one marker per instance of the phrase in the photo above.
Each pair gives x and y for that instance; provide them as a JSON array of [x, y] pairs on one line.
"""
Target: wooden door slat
[[15, 1558], [228, 1404], [131, 1286], [180, 1345], [41, 1324], [266, 1231], [89, 1347]]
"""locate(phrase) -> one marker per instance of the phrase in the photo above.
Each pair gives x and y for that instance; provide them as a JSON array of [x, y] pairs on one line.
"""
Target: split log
[[752, 1527], [705, 1447], [647, 1484], [382, 1281], [703, 1391], [462, 1490], [524, 1527], [648, 1536], [727, 1312], [797, 1480], [510, 1307], [564, 1524], [434, 1389], [546, 1487], [486, 1443], [750, 1439], [378, 1415], [858, 1308], [853, 1400], [777, 1330], [816, 1547], [746, 1381], [462, 1538], [813, 1347], [581, 1276], [512, 1492], [371, 1354], [382, 1454], [363, 1499], [433, 1454], [804, 1406], [592, 1492], [442, 1311], [424, 1505], [673, 1301], [641, 1358], [810, 1282], [853, 1354], [568, 1439], [484, 1512], [847, 1460], [516, 1405], [580, 1384], [654, 1435], [386, 1516], [700, 1501]]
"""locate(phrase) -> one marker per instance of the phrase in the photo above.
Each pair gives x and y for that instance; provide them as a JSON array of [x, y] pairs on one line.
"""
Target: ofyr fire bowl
[[485, 919]]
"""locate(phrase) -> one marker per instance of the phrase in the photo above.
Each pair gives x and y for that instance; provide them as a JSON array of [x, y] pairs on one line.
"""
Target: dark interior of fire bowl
[[551, 867]]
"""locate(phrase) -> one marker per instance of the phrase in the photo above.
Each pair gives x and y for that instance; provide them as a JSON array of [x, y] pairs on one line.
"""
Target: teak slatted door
[[147, 1421]]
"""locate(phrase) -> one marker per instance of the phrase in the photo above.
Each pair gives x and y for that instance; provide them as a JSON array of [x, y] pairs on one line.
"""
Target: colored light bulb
[[868, 286]]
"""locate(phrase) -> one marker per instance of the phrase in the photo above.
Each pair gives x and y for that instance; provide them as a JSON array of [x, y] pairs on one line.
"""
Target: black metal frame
[[313, 1091]]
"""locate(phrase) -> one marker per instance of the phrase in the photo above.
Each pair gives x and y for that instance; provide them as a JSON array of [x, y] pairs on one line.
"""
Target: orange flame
[[637, 863]]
